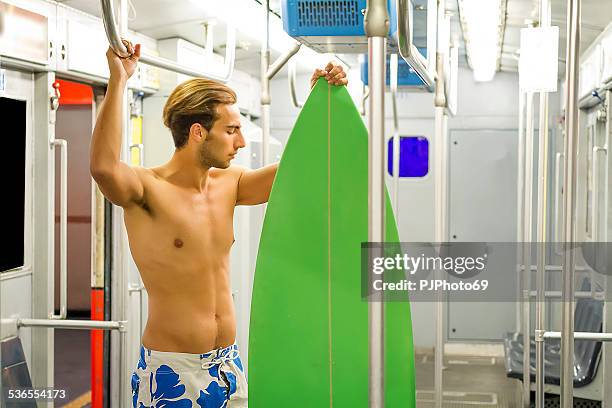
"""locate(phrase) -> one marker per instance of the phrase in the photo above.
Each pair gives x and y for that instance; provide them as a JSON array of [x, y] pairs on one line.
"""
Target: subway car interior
[[453, 96]]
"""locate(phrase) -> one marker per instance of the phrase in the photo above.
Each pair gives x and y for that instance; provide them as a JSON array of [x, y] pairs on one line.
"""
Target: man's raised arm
[[254, 186], [118, 182]]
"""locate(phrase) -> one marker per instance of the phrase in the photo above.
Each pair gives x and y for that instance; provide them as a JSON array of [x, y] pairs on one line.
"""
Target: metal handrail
[[595, 173], [108, 19], [63, 145], [376, 27], [266, 98], [73, 324], [291, 76], [569, 203], [365, 93], [557, 220], [595, 208], [280, 62], [542, 225], [267, 73], [408, 50], [396, 143], [440, 165], [520, 205], [265, 85], [579, 336], [527, 239], [453, 80], [555, 294], [556, 268]]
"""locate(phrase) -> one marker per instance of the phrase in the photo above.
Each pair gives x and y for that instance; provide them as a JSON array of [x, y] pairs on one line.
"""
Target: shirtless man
[[179, 222]]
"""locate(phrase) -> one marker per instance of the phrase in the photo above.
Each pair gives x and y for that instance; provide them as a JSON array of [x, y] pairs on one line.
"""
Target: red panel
[[73, 93], [97, 350]]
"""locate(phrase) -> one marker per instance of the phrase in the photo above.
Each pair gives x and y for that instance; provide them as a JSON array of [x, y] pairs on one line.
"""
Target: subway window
[[13, 165], [413, 156]]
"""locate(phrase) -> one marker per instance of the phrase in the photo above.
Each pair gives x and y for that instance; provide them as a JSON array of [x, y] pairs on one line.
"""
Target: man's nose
[[241, 143]]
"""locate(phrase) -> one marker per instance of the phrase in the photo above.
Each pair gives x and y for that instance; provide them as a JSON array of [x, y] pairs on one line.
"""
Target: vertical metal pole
[[63, 227], [542, 224], [607, 347], [265, 85], [376, 24], [43, 355], [440, 200], [520, 208], [440, 172], [396, 143], [528, 234], [209, 28], [570, 149], [122, 271]]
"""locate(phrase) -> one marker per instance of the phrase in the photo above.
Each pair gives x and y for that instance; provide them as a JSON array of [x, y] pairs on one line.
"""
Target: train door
[[65, 239], [17, 263], [73, 348], [482, 209]]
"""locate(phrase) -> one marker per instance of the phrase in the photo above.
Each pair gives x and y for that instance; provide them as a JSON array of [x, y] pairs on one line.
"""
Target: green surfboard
[[308, 342]]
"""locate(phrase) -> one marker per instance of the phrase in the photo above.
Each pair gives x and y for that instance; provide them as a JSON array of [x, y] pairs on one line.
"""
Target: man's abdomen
[[174, 326]]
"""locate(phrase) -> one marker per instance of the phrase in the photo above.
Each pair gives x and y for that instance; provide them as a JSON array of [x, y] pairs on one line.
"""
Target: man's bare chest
[[186, 220]]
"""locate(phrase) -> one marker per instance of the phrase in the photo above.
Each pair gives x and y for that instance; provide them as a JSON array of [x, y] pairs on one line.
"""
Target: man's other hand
[[333, 73]]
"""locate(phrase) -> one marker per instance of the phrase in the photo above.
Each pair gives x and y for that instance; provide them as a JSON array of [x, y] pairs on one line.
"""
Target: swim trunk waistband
[[188, 361]]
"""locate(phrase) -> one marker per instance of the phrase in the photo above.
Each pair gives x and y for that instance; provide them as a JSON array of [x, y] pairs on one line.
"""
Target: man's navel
[[178, 243]]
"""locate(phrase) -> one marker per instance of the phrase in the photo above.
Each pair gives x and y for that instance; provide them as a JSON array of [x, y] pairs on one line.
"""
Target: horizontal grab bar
[[73, 324], [580, 336], [108, 19]]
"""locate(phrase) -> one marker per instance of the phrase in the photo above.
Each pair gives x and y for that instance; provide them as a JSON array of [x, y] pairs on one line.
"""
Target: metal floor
[[73, 366], [476, 382], [469, 381]]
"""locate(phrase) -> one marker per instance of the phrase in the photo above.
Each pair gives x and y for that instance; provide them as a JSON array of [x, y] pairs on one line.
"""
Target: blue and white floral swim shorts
[[211, 380]]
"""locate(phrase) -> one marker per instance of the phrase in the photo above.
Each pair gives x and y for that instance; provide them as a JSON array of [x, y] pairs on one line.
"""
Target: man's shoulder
[[234, 171], [151, 173], [228, 178], [144, 171]]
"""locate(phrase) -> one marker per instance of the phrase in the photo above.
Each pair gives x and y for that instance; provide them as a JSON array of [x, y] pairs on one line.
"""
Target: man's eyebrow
[[233, 126]]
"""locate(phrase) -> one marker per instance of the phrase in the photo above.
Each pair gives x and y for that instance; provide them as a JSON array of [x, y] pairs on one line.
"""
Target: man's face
[[223, 140]]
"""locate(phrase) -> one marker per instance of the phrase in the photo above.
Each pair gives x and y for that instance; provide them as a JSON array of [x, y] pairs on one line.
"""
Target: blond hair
[[194, 101]]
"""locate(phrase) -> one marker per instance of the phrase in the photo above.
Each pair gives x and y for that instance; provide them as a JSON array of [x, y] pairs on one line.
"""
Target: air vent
[[337, 13]]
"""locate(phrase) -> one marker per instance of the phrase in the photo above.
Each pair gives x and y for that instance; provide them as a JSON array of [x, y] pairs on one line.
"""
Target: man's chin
[[217, 165], [224, 165]]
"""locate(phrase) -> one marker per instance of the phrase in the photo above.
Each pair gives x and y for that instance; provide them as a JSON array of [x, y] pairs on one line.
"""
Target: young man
[[179, 222]]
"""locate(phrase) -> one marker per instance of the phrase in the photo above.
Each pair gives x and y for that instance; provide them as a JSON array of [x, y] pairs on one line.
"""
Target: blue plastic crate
[[304, 18], [406, 76]]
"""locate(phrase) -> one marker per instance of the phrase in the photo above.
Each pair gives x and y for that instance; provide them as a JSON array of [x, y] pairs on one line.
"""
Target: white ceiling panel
[[596, 15], [183, 18]]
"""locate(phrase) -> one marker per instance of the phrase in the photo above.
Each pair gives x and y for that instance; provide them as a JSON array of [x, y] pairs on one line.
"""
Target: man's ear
[[198, 131]]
